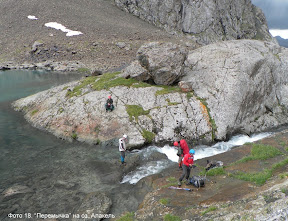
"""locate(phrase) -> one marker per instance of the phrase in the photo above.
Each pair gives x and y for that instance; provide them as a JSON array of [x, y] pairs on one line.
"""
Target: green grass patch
[[285, 191], [283, 175], [172, 181], [105, 81], [77, 90], [127, 217], [34, 112], [84, 70], [74, 136], [135, 111], [280, 164], [164, 201], [216, 171], [189, 95], [169, 217], [261, 152], [257, 178], [149, 136], [262, 177], [211, 208], [167, 90]]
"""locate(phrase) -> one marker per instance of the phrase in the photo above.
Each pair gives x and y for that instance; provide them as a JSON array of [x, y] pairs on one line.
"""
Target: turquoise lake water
[[57, 174]]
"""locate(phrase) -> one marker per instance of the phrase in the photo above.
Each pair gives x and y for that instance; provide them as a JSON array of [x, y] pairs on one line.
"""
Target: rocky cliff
[[224, 88], [206, 21]]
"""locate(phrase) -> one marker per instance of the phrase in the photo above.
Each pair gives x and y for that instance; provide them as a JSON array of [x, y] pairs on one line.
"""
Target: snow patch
[[62, 28]]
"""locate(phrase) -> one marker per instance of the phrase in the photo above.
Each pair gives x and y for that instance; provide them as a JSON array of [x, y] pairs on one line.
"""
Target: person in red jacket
[[188, 162], [181, 152]]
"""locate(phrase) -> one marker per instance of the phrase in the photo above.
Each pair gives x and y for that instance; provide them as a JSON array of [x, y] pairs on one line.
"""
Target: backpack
[[197, 181], [179, 152]]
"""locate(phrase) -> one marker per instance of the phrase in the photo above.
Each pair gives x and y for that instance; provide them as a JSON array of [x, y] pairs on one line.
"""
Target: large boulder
[[160, 63], [206, 21], [244, 84]]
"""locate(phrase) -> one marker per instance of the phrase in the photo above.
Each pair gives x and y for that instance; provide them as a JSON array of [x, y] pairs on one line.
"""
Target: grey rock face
[[207, 21], [243, 83]]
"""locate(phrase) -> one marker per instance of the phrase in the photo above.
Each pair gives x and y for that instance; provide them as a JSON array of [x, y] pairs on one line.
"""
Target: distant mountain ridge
[[282, 42]]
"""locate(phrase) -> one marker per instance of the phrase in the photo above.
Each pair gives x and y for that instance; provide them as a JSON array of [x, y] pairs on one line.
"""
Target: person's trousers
[[186, 172], [122, 156]]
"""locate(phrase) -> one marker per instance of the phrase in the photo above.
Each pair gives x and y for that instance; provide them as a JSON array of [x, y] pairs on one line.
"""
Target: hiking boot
[[179, 183]]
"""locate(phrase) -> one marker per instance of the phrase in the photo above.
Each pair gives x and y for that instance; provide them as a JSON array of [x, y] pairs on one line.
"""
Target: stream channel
[[59, 174]]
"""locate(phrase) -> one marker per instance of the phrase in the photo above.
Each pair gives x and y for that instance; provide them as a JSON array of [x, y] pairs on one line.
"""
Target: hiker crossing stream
[[202, 151]]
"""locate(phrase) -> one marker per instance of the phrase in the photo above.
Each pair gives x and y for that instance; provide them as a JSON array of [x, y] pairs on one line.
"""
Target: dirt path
[[103, 26]]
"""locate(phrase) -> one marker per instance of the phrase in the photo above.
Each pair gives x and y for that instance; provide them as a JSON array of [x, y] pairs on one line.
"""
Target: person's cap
[[176, 144], [109, 96], [125, 136]]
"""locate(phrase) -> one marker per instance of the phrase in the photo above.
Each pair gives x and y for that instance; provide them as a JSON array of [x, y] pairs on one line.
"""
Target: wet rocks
[[16, 190], [95, 203]]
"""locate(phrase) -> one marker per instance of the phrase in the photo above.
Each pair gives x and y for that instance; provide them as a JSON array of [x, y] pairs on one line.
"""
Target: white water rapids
[[153, 167]]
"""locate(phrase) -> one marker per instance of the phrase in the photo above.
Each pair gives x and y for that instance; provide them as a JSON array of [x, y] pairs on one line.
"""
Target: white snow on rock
[[32, 17]]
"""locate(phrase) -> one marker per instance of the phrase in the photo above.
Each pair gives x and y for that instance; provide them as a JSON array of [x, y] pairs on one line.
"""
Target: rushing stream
[[60, 174]]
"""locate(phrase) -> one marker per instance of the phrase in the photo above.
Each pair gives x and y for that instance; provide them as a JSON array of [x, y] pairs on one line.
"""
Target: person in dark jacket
[[188, 162], [109, 104]]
